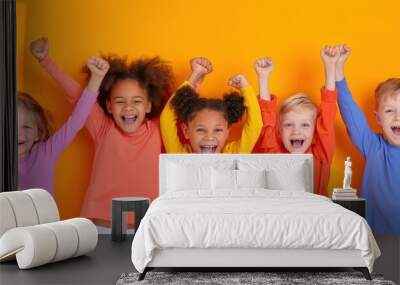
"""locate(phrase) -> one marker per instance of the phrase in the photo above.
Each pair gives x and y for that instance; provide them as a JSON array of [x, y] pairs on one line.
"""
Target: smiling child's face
[[128, 105], [28, 133], [388, 116], [207, 131], [296, 128]]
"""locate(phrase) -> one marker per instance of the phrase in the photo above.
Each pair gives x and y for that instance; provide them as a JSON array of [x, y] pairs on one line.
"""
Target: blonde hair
[[27, 102], [389, 87], [297, 101]]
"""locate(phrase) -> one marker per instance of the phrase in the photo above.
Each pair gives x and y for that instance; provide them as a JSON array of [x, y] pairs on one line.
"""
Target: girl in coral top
[[124, 128]]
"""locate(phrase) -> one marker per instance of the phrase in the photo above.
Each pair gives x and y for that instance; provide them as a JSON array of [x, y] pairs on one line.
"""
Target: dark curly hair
[[187, 102], [154, 75]]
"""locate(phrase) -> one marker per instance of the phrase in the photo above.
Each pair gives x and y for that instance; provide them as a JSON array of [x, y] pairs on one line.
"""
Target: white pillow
[[219, 161], [181, 177], [292, 179], [222, 163], [281, 174], [223, 179], [251, 178]]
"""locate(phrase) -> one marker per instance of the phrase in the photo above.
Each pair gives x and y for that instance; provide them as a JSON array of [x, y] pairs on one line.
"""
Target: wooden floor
[[103, 266]]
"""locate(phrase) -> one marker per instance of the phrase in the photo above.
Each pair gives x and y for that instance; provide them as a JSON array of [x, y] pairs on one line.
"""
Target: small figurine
[[347, 174]]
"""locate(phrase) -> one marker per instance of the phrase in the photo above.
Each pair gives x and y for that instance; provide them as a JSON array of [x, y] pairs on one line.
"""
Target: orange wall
[[21, 43], [231, 33]]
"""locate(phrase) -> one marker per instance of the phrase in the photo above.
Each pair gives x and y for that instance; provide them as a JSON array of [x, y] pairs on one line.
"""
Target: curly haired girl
[[124, 127], [206, 122]]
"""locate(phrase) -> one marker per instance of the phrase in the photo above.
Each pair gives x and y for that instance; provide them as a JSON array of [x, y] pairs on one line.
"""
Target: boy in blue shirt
[[381, 151]]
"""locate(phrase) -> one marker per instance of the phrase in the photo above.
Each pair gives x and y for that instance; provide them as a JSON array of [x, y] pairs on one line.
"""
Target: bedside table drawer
[[356, 205]]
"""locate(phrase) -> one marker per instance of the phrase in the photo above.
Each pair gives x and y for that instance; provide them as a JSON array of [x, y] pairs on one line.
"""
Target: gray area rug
[[232, 278]]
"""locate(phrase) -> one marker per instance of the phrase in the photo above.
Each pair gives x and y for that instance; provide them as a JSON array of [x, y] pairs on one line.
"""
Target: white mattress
[[252, 218]]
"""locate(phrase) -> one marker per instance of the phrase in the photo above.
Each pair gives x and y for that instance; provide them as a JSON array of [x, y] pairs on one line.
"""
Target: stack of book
[[344, 194]]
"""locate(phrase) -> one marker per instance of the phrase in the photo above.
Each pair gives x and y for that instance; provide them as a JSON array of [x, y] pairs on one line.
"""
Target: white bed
[[253, 210]]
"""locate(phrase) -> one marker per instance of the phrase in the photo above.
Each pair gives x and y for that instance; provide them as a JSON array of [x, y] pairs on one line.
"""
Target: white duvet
[[253, 218]]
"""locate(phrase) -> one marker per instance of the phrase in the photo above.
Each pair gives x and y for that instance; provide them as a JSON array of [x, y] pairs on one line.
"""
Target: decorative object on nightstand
[[347, 173], [139, 205], [356, 205], [347, 192]]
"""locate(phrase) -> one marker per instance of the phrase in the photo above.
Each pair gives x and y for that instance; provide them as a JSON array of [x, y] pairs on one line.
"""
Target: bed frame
[[247, 259], [261, 259]]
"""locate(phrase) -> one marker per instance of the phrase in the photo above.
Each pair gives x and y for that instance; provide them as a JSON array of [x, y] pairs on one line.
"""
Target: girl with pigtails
[[206, 122]]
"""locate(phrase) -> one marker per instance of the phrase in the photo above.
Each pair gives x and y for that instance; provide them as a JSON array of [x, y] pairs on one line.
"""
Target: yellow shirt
[[250, 132]]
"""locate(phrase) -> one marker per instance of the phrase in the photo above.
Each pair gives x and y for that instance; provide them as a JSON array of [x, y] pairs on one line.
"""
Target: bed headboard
[[279, 162]]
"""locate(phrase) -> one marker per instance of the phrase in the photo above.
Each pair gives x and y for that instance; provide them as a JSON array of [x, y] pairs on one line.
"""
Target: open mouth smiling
[[208, 148], [396, 130], [297, 143], [129, 119]]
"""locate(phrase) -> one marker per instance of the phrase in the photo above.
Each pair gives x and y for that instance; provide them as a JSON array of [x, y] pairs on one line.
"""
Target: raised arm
[[325, 125], [40, 50], [97, 119], [264, 67], [59, 141], [356, 123], [169, 130], [200, 67], [253, 125], [267, 141]]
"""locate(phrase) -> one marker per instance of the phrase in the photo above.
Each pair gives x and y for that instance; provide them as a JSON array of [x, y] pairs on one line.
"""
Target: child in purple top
[[38, 152]]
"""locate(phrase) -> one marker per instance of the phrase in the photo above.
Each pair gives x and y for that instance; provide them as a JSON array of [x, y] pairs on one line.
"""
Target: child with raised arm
[[124, 126], [299, 126], [206, 122], [38, 152], [381, 151]]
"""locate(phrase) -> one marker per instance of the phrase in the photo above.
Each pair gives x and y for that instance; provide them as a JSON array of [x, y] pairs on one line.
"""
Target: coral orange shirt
[[123, 164], [323, 145]]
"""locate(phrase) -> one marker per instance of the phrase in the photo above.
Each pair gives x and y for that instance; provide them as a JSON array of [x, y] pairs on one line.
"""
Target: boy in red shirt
[[299, 127]]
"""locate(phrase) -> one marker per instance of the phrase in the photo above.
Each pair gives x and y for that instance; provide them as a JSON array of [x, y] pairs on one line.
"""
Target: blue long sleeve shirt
[[381, 180]]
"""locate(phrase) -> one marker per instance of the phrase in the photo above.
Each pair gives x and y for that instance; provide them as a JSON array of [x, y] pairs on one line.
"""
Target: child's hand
[[238, 81], [264, 66], [344, 53], [40, 48], [330, 55], [97, 66], [201, 66]]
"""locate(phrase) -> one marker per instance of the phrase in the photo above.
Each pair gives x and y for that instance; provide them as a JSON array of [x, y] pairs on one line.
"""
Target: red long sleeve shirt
[[323, 145]]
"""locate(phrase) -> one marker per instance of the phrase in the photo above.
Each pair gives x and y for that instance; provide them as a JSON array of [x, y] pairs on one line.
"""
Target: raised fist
[[344, 53], [330, 54], [97, 66], [201, 65], [238, 81], [264, 66], [40, 48]]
